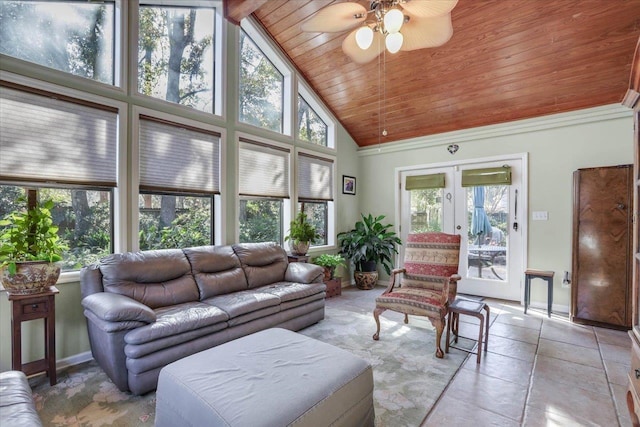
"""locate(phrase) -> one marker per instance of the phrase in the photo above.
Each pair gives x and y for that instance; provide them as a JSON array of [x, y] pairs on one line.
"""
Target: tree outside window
[[311, 127]]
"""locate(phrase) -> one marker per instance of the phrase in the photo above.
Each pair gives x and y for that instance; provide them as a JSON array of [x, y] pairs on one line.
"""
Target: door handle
[[459, 227]]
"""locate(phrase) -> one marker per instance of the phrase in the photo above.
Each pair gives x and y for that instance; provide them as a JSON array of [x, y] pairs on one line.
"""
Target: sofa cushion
[[216, 269], [287, 291], [263, 263], [243, 302], [177, 319], [154, 278]]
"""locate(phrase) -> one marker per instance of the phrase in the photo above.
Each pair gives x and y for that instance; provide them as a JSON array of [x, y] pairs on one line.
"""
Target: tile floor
[[538, 371]]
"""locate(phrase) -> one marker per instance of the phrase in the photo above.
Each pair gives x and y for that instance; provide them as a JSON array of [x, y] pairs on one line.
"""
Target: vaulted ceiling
[[507, 60]]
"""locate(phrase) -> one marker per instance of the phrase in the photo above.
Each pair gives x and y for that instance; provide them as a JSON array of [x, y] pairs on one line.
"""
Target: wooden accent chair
[[426, 284]]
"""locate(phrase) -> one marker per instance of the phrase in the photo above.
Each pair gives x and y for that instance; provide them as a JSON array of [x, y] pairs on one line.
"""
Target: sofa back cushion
[[217, 270], [263, 263], [154, 278]]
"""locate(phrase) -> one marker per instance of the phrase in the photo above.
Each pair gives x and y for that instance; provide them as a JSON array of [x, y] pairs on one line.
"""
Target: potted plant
[[370, 243], [301, 234], [29, 248], [329, 262]]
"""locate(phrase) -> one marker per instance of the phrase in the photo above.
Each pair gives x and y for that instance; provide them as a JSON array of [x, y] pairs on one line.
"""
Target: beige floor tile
[[565, 400], [452, 412], [570, 352], [502, 367], [501, 397], [512, 348], [569, 333], [570, 373], [520, 319], [620, 401], [513, 332], [617, 372], [612, 336], [534, 417], [616, 353]]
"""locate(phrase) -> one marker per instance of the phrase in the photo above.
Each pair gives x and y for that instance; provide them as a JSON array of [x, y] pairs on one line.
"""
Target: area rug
[[408, 378]]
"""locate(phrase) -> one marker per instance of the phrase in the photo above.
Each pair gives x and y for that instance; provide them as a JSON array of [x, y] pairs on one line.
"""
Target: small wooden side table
[[547, 276], [470, 308], [31, 307]]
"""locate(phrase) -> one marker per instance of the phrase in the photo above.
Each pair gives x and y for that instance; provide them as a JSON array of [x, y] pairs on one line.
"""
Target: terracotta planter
[[328, 273], [299, 248], [31, 277]]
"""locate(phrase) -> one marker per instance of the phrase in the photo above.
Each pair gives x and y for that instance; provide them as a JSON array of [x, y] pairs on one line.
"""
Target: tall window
[[179, 179], [311, 127], [263, 188], [175, 55], [65, 149], [315, 192], [76, 37], [261, 93]]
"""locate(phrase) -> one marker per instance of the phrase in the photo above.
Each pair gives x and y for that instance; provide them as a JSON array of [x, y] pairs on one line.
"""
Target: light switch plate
[[540, 215]]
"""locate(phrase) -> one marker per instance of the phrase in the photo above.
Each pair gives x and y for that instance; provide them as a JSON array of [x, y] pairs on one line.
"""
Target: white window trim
[[219, 215], [331, 206], [318, 107], [258, 36]]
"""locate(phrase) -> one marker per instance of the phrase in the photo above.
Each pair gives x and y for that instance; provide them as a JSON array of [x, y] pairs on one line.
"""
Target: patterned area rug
[[408, 378]]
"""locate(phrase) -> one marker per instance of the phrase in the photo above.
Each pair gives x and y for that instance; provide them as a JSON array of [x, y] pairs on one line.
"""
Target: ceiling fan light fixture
[[364, 37], [393, 21], [393, 42]]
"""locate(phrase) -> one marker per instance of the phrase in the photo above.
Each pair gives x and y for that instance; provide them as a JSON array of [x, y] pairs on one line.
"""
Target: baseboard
[[76, 359]]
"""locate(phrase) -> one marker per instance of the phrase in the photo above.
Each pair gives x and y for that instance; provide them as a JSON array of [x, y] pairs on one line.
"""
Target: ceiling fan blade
[[420, 33], [429, 8], [359, 56], [335, 18]]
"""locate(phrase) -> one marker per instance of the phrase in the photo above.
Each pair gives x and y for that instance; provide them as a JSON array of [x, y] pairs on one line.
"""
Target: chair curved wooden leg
[[439, 325], [406, 318], [376, 316]]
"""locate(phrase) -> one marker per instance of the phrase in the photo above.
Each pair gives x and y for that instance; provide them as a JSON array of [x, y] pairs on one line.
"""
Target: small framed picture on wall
[[348, 184]]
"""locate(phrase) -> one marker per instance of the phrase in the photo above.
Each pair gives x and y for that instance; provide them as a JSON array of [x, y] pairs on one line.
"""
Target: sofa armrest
[[302, 272], [112, 307]]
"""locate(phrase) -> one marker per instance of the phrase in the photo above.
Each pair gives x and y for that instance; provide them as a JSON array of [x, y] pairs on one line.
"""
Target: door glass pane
[[426, 210], [487, 227]]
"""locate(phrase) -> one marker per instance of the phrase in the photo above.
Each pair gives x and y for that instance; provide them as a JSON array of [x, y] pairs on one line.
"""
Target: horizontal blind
[[263, 170], [315, 178], [178, 158], [48, 139], [425, 182], [486, 176]]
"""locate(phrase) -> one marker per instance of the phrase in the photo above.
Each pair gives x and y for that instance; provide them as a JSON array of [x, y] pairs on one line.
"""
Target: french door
[[484, 202]]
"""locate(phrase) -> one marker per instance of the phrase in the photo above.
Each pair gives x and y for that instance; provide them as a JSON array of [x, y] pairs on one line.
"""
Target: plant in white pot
[[301, 234], [29, 248], [370, 243]]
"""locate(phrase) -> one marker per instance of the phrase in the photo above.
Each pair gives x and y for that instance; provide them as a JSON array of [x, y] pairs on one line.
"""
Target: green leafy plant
[[29, 236], [329, 260], [370, 241], [301, 230]]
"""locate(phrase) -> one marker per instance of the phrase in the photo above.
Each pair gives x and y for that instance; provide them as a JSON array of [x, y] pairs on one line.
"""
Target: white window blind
[[46, 137], [263, 170], [315, 178], [174, 157]]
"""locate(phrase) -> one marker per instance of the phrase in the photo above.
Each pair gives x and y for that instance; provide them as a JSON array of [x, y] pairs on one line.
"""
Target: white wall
[[557, 146]]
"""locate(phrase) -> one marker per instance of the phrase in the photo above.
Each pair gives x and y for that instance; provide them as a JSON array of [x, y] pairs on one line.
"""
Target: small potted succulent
[[29, 248], [301, 234], [330, 262]]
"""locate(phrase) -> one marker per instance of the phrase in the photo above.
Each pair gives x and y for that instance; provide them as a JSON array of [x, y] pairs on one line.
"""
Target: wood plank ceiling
[[507, 60]]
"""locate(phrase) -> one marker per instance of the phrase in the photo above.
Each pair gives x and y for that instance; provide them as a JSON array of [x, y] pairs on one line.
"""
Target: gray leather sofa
[[147, 309]]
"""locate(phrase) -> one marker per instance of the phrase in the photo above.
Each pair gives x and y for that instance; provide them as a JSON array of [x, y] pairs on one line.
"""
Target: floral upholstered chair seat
[[426, 284]]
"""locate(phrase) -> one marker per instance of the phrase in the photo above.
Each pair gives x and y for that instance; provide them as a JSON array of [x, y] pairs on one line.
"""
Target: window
[[76, 37], [176, 55], [261, 93], [263, 171], [315, 193], [179, 181], [311, 127], [65, 150]]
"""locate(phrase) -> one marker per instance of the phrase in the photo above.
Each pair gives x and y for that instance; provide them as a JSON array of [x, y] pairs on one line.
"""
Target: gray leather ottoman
[[270, 378]]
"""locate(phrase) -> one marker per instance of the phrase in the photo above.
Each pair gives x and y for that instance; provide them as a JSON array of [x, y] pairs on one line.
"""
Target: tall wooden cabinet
[[602, 234], [632, 100]]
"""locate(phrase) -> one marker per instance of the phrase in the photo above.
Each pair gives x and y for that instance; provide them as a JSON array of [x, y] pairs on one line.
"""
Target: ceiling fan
[[394, 24]]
